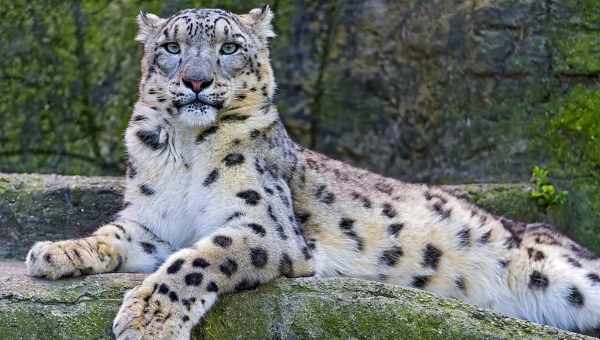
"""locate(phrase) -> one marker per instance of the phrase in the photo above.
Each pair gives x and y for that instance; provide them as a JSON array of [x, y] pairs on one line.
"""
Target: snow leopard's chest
[[179, 202]]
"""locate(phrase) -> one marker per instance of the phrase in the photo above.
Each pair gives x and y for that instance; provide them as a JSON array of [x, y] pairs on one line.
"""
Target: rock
[[434, 91], [68, 309], [41, 207], [50, 207], [406, 88], [308, 308], [38, 207]]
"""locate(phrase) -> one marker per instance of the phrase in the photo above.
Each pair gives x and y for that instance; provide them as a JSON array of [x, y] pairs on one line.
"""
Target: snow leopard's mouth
[[198, 112], [198, 104]]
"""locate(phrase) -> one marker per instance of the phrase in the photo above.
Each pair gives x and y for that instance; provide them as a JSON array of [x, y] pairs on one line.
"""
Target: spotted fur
[[221, 200]]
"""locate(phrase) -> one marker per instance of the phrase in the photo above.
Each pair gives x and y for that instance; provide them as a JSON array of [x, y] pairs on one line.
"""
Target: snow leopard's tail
[[555, 281]]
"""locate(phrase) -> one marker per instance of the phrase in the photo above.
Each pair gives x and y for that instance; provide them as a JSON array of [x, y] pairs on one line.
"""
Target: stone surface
[[285, 309], [50, 207], [38, 207], [449, 91]]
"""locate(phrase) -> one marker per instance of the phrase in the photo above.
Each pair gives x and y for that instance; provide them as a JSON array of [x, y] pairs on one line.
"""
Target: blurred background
[[437, 91]]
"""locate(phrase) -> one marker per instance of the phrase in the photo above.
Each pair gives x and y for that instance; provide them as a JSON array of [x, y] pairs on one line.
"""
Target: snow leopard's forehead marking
[[205, 25]]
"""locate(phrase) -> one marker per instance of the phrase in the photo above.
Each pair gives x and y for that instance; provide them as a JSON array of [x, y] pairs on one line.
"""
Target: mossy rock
[[309, 308], [50, 207], [38, 207]]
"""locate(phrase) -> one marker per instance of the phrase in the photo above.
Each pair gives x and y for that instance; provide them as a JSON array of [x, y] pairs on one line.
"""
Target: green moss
[[590, 12], [339, 309], [574, 127], [569, 134], [510, 200], [581, 53], [344, 321], [248, 313], [86, 320], [577, 40], [575, 118]]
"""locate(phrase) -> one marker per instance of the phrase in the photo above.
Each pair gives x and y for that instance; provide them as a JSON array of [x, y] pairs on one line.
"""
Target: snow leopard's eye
[[229, 48], [172, 48]]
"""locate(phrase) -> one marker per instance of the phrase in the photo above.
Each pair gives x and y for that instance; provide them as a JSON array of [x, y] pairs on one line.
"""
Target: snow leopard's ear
[[149, 25], [259, 20]]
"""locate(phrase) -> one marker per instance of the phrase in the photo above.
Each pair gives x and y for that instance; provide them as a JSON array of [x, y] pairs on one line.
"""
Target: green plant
[[544, 192]]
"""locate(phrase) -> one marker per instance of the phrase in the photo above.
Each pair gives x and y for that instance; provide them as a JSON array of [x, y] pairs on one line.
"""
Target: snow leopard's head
[[202, 63]]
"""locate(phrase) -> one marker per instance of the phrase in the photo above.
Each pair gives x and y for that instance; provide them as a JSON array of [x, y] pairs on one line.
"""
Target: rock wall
[[445, 91], [452, 91], [436, 91]]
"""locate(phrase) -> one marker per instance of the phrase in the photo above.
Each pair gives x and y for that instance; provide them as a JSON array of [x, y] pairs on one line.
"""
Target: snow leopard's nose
[[196, 85], [197, 74]]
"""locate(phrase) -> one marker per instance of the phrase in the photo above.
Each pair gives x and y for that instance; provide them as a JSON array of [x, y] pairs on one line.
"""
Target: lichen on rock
[[306, 308]]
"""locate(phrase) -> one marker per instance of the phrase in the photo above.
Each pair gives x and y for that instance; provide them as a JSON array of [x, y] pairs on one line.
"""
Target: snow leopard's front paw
[[152, 313], [54, 260]]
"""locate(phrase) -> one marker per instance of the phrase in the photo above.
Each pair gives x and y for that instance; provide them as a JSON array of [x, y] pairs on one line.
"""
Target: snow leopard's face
[[200, 63]]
